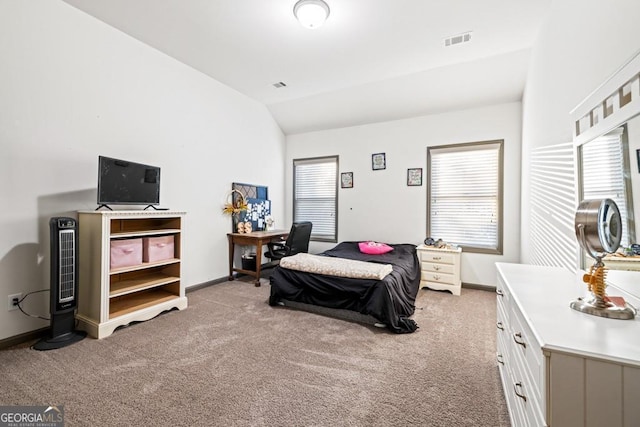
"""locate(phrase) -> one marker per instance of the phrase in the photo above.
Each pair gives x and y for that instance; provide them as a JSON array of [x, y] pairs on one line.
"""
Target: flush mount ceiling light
[[311, 13]]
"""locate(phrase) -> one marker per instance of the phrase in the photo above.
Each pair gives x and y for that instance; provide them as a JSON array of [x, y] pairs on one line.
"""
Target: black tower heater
[[64, 285]]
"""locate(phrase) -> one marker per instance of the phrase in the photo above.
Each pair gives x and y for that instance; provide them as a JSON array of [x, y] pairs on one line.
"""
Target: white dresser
[[560, 367], [440, 268]]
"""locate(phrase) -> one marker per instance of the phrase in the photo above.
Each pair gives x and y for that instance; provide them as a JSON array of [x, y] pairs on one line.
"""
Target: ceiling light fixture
[[311, 13]]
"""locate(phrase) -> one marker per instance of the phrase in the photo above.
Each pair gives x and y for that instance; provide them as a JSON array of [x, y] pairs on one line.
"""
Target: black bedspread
[[390, 300]]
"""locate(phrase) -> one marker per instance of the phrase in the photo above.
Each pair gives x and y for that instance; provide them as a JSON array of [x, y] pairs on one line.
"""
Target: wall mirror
[[607, 141]]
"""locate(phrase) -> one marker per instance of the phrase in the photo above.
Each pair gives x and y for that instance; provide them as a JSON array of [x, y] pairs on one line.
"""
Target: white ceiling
[[373, 60]]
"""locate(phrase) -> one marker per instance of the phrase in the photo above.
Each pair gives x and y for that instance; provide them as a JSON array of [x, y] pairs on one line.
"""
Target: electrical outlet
[[12, 298]]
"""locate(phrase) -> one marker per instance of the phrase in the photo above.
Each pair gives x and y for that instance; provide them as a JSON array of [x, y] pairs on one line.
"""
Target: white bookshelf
[[109, 298]]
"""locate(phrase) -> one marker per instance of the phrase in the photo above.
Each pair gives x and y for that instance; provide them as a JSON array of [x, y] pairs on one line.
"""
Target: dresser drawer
[[438, 268], [526, 350], [430, 276], [516, 411], [526, 395], [502, 323], [502, 338], [503, 297], [438, 257], [502, 353]]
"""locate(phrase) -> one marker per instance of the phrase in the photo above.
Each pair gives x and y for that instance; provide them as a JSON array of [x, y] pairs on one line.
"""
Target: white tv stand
[[109, 298]]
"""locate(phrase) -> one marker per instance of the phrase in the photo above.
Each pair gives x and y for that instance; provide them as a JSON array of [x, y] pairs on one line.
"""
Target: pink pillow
[[374, 248]]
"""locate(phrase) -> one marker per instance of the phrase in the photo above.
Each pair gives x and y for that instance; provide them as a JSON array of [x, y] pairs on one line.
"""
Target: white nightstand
[[440, 268]]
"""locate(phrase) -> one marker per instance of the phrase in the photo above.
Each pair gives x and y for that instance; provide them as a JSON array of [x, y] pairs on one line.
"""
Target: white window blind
[[603, 176], [315, 195], [465, 195]]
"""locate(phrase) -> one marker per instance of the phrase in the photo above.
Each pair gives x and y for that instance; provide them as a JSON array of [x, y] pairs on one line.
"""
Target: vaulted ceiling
[[373, 60]]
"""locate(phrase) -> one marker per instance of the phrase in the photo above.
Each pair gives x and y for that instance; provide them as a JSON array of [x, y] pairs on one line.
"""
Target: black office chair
[[297, 242]]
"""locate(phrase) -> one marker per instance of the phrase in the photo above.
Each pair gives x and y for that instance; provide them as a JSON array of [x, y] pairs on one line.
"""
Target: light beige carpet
[[232, 360]]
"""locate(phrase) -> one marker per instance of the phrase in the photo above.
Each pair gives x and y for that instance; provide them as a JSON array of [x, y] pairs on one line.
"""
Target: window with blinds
[[604, 173], [464, 195], [315, 195]]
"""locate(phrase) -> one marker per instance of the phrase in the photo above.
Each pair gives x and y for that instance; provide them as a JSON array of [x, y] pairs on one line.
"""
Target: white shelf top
[[543, 295], [132, 213], [445, 249]]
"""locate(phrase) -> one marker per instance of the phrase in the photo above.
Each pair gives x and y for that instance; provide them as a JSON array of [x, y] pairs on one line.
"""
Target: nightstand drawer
[[430, 276], [437, 257], [438, 268]]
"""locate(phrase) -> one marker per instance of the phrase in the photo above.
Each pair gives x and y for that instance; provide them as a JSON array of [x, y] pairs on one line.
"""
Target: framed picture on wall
[[378, 161], [414, 177], [346, 180]]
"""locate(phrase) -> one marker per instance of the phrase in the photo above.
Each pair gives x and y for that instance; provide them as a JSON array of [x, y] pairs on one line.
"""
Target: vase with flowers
[[236, 204]]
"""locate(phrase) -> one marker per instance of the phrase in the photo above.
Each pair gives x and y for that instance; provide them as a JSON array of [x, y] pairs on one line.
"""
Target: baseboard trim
[[489, 288], [224, 279], [206, 284], [24, 337]]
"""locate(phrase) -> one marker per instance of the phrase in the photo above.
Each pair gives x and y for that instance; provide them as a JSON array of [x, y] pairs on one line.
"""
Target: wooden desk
[[257, 239]]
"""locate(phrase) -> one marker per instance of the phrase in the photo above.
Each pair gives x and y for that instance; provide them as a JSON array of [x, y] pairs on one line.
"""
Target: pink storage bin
[[157, 248], [126, 252]]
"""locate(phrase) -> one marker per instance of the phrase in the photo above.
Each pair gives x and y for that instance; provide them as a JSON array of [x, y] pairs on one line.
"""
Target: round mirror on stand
[[599, 230]]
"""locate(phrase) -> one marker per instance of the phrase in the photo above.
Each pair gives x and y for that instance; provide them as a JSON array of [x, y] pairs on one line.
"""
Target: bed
[[389, 300]]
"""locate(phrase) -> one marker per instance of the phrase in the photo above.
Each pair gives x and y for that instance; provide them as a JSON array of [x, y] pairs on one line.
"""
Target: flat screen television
[[121, 182]]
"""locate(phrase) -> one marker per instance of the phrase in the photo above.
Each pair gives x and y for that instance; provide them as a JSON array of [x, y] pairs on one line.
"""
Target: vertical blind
[[603, 165], [465, 195], [315, 195]]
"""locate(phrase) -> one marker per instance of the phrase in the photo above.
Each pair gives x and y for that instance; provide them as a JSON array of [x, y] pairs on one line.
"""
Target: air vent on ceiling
[[457, 39], [279, 85]]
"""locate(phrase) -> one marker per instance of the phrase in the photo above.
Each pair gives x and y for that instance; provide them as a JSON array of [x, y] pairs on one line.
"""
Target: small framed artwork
[[414, 177], [346, 180], [378, 161]]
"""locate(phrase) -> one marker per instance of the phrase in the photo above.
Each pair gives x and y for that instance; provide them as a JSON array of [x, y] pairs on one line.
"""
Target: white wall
[[581, 44], [73, 88], [382, 207]]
